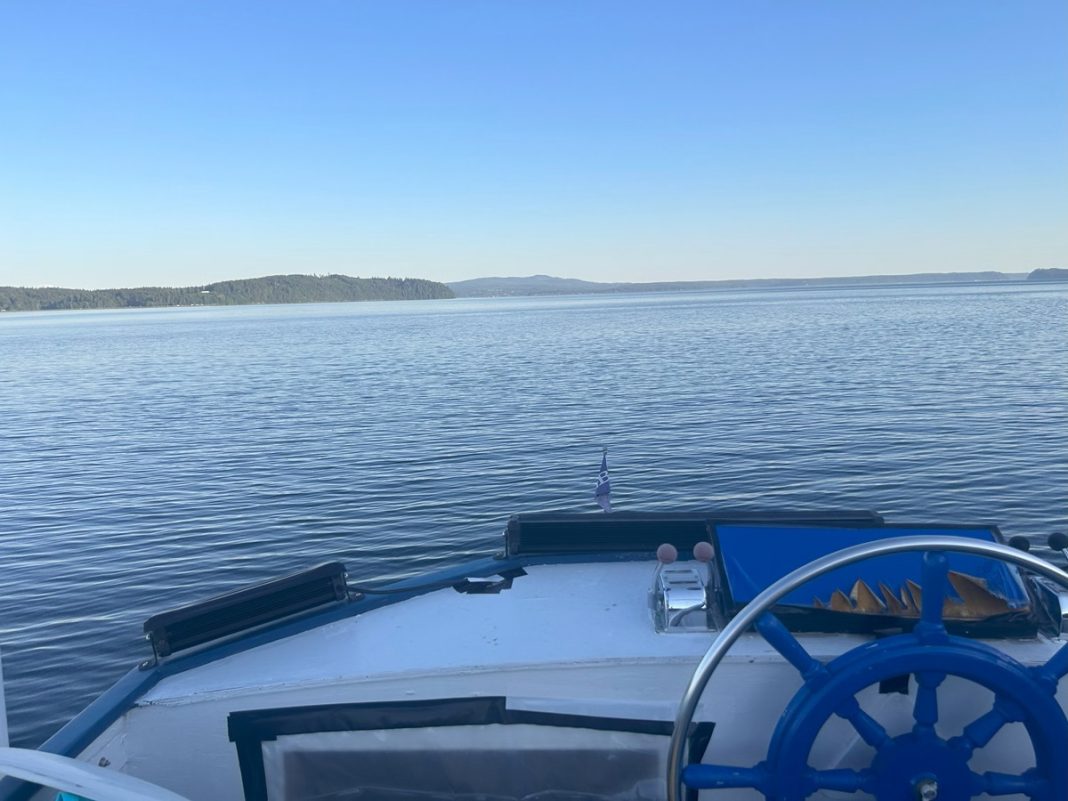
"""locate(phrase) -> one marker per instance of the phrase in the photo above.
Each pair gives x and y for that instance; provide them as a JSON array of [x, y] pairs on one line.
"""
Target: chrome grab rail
[[790, 582]]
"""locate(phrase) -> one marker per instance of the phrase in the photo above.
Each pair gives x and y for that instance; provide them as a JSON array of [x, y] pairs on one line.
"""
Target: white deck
[[556, 615], [571, 638]]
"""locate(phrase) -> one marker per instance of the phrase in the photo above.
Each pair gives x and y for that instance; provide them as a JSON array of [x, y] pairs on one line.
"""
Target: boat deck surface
[[558, 614]]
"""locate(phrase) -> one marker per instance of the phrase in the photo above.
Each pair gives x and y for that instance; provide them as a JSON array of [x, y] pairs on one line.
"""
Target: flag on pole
[[603, 493]]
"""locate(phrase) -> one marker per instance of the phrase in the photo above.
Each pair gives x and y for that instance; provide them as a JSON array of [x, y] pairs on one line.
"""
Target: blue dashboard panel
[[753, 556]]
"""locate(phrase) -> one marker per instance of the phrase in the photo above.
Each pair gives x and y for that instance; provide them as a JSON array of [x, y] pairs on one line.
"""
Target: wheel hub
[[922, 768], [927, 789]]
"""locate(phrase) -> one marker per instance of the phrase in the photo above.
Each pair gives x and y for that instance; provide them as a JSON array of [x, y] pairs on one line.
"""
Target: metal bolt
[[927, 790]]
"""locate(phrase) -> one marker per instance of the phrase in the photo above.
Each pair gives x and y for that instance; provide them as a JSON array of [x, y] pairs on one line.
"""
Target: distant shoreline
[[293, 289], [541, 285]]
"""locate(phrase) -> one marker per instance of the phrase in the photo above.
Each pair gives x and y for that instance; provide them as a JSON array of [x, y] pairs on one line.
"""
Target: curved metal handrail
[[790, 582]]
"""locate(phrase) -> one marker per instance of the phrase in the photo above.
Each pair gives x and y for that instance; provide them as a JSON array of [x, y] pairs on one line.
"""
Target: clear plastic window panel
[[518, 762]]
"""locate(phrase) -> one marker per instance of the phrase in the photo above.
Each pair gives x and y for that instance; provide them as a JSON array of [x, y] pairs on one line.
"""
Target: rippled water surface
[[152, 457]]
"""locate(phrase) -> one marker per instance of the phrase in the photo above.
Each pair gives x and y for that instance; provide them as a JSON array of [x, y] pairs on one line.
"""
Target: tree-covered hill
[[1049, 274], [271, 289]]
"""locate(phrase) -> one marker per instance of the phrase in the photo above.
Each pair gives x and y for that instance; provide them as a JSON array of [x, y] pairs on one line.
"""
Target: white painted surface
[[79, 778], [575, 639], [557, 614]]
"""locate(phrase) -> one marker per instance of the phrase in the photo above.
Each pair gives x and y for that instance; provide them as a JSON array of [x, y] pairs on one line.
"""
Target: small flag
[[603, 493]]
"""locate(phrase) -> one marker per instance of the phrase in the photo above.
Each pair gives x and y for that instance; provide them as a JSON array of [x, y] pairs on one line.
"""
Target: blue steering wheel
[[918, 765]]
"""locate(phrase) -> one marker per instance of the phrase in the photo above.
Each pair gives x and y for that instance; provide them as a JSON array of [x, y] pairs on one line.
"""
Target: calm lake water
[[153, 457]]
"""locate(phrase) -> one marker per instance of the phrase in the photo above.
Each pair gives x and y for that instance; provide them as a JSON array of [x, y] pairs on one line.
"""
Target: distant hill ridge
[[549, 285], [270, 289], [343, 288], [1049, 274]]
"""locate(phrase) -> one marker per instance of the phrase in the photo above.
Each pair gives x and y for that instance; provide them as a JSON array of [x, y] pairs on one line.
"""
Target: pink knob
[[702, 552], [667, 553]]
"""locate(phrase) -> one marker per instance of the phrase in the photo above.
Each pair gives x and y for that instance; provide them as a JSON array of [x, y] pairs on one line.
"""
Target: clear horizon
[[172, 145]]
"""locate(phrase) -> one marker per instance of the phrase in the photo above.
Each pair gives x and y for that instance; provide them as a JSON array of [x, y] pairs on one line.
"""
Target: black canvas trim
[[248, 730]]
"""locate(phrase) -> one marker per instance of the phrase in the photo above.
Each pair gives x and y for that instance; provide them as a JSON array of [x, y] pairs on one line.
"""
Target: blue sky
[[177, 143]]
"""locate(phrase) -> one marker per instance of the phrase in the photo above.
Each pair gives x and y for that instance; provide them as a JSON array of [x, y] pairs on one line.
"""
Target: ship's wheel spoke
[[933, 581], [982, 730], [840, 779], [718, 777], [1030, 784], [869, 729], [1055, 669], [925, 710], [779, 638]]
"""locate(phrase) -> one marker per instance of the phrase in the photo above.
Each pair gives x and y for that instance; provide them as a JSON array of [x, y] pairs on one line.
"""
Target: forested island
[[1048, 274], [271, 289]]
